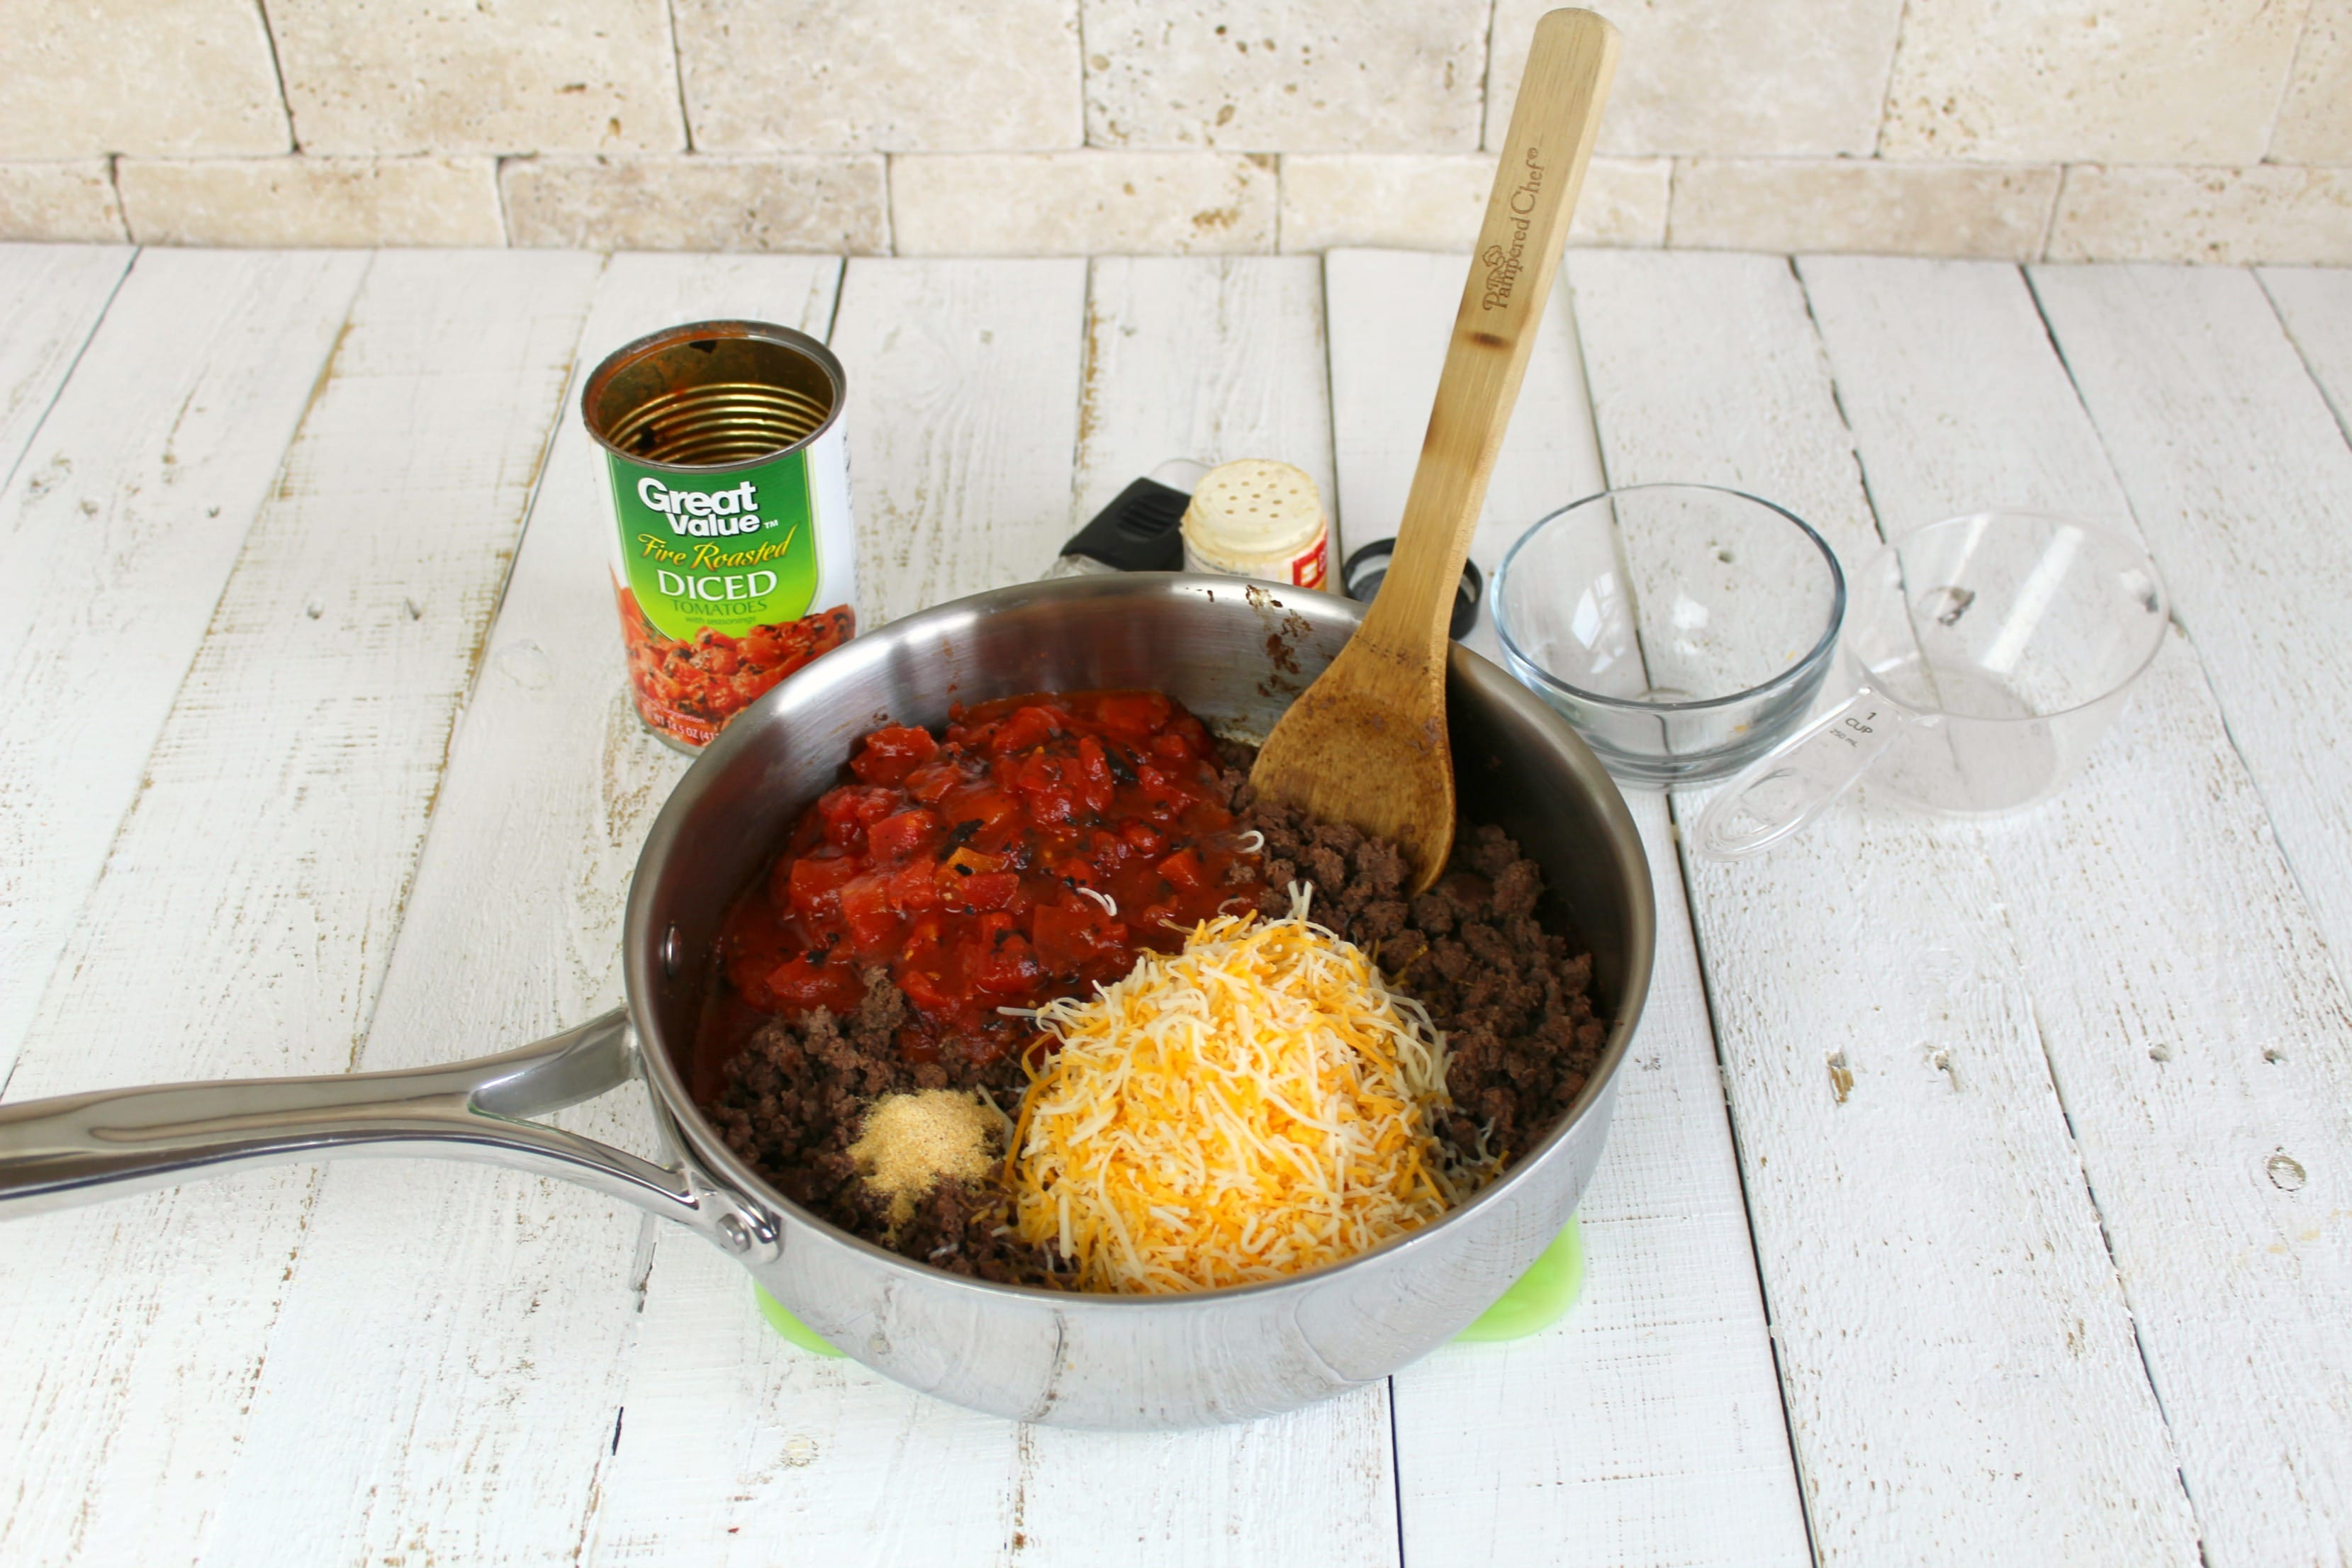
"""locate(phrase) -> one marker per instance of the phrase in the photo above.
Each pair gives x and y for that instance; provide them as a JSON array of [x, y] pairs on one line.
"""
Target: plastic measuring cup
[[1986, 655]]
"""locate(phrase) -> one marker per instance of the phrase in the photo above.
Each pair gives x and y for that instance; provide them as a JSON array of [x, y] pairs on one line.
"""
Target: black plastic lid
[[1365, 568]]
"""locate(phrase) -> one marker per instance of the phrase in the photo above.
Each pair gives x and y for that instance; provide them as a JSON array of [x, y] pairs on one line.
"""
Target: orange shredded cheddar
[[1252, 1107]]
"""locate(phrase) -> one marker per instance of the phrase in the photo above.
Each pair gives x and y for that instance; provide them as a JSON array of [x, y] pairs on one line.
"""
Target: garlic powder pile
[[911, 1143]]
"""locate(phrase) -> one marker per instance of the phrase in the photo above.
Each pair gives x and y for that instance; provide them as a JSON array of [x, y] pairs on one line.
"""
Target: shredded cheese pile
[[1252, 1107]]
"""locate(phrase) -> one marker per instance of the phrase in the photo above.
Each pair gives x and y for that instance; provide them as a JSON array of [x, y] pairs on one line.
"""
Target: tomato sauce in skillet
[[1033, 850]]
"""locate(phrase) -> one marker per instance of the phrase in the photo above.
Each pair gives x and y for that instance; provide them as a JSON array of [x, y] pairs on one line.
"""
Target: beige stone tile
[[833, 205], [2314, 124], [1778, 79], [84, 77], [59, 201], [2156, 82], [1266, 76], [1081, 204], [457, 76], [887, 76], [1435, 202], [306, 201], [2223, 215], [1860, 204]]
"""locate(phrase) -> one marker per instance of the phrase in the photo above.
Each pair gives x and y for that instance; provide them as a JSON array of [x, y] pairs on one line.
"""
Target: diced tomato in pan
[[889, 755], [815, 885], [957, 864], [899, 836], [1184, 870], [978, 894], [803, 983], [1132, 715]]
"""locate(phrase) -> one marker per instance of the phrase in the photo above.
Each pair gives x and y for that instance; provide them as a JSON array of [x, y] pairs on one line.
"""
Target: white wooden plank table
[[320, 757]]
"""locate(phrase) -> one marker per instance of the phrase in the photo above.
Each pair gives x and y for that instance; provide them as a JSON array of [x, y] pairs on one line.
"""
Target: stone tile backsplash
[[1424, 202], [71, 201], [2315, 123], [1759, 78], [1306, 77], [1862, 205], [2182, 130], [83, 78], [547, 75], [880, 76], [838, 204], [310, 201], [1081, 204], [2222, 216], [2150, 82]]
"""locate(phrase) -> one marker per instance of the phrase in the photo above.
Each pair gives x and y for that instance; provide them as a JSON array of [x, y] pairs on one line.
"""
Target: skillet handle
[[82, 1148]]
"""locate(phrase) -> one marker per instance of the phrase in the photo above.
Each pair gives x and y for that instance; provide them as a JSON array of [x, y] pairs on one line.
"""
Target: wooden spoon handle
[[1570, 64]]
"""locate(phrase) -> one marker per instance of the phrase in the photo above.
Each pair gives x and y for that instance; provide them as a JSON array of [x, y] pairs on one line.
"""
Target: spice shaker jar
[[1258, 518]]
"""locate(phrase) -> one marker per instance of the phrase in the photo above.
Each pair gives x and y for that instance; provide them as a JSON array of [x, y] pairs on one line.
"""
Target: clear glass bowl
[[1683, 629]]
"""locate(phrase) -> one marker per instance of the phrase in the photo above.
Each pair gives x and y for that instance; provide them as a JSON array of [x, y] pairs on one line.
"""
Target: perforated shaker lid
[[1254, 507]]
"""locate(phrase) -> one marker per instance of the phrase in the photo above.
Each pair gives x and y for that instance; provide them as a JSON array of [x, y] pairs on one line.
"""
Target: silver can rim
[[637, 349]]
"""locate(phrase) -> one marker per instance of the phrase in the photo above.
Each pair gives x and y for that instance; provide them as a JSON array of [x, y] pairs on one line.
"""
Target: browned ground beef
[[1520, 1031], [795, 1099], [1510, 995]]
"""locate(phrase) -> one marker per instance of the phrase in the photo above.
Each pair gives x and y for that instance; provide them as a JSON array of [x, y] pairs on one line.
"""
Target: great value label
[[726, 554]]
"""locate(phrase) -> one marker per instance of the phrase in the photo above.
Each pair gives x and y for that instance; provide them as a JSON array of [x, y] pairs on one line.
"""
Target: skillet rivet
[[669, 953], [733, 1234]]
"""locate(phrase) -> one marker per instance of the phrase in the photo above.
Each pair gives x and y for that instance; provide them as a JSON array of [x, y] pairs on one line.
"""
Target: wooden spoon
[[1366, 744]]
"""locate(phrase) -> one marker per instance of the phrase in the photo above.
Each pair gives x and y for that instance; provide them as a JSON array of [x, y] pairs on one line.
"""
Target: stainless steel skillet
[[1235, 655]]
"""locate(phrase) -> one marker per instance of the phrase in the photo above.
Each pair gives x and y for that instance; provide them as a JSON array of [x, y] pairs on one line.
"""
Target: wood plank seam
[[1650, 1424], [1396, 1462], [2207, 403], [2341, 409], [2098, 1206], [2107, 1239], [1845, 420], [488, 623], [1675, 810], [555, 617], [1974, 348], [66, 376], [1708, 369], [152, 640], [523, 470], [1993, 869], [2342, 960], [349, 521]]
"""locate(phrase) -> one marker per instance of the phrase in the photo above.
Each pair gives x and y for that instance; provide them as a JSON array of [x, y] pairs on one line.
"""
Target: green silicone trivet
[[1539, 1297], [780, 1318], [1547, 1289]]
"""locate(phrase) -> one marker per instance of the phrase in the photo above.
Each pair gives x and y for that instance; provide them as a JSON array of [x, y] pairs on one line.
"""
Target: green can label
[[729, 552]]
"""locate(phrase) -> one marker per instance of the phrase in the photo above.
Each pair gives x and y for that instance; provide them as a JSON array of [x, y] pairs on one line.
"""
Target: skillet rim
[[710, 1158]]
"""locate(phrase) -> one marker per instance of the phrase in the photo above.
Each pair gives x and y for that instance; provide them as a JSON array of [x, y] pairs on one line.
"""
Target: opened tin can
[[735, 556]]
